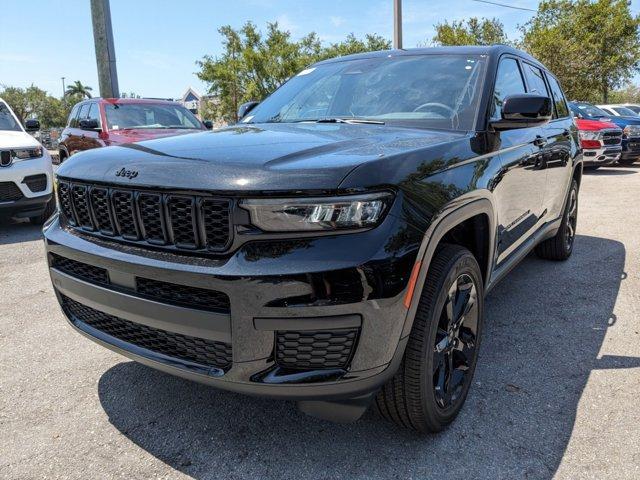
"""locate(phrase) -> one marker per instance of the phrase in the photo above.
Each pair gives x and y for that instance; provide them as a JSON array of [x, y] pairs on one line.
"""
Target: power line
[[505, 5]]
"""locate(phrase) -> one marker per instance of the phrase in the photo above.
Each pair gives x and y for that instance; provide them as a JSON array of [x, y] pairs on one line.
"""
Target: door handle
[[540, 141]]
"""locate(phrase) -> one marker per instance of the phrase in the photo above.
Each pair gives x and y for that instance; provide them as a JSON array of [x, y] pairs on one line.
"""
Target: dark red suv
[[101, 122]]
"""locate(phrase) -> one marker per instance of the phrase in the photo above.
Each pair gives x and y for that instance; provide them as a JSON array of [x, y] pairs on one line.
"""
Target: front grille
[[318, 349], [36, 183], [192, 349], [80, 270], [172, 221], [612, 137], [165, 292], [9, 192], [183, 295]]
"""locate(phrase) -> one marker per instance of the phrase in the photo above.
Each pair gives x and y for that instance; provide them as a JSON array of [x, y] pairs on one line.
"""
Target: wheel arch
[[453, 217]]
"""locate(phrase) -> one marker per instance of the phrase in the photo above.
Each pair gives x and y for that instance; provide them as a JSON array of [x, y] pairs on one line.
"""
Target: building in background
[[203, 106]]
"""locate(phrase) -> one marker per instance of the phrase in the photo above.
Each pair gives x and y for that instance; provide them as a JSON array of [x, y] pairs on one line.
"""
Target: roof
[[190, 95], [490, 50]]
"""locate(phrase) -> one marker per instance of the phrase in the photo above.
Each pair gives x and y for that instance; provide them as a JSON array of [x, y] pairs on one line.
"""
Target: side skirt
[[547, 230]]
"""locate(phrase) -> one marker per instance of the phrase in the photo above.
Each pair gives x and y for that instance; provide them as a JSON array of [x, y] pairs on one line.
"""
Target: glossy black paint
[[524, 110], [496, 192]]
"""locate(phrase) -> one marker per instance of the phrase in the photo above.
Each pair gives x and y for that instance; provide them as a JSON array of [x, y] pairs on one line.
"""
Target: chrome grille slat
[[167, 220]]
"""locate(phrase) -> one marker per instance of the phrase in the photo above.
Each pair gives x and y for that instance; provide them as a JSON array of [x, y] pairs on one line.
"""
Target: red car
[[601, 142], [101, 122]]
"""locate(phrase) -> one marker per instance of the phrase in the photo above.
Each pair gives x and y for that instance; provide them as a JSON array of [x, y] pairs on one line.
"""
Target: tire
[[627, 161], [44, 216], [591, 168], [419, 397], [560, 246]]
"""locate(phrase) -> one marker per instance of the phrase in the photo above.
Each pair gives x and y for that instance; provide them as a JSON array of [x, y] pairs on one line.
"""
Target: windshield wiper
[[347, 120]]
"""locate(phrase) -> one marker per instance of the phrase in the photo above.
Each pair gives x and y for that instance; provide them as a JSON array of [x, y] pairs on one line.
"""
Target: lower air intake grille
[[192, 349], [316, 349], [80, 270], [183, 295], [9, 192], [36, 183]]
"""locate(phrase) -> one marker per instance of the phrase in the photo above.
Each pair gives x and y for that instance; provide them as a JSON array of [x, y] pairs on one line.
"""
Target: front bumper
[[27, 202], [25, 207], [271, 291], [605, 155], [630, 148]]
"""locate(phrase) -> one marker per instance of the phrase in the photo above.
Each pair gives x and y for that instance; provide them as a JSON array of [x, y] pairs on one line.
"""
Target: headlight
[[632, 130], [590, 134], [315, 214], [26, 153]]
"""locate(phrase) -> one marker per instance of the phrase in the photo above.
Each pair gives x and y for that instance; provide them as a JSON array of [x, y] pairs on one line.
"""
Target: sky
[[158, 42]]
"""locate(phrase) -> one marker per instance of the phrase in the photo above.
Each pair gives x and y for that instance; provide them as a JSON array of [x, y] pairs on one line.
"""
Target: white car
[[621, 109], [26, 175]]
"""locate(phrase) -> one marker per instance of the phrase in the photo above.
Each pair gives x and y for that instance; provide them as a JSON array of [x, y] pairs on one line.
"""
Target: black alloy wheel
[[560, 246], [455, 342], [432, 382]]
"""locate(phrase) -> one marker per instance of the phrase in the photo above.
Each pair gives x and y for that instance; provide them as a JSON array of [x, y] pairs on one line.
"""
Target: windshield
[[634, 108], [8, 121], [627, 112], [431, 91], [588, 111], [122, 116]]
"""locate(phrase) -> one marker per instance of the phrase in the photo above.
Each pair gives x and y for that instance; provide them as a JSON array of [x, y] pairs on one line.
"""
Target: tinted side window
[[93, 113], [535, 79], [508, 82], [84, 109], [558, 98], [73, 117]]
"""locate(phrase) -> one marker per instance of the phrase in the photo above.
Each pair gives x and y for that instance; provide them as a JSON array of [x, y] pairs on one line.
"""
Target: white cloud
[[337, 20], [16, 58], [285, 23]]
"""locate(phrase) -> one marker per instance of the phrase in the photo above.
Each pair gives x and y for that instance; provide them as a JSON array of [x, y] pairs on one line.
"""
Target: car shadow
[[543, 332], [18, 231], [611, 171]]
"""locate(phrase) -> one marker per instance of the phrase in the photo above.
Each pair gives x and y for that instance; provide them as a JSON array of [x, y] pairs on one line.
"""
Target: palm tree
[[77, 88]]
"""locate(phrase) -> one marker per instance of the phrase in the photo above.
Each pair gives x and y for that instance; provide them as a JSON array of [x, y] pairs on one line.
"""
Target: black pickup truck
[[336, 245]]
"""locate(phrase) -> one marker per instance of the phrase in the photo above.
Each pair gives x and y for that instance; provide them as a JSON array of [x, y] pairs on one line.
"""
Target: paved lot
[[556, 391]]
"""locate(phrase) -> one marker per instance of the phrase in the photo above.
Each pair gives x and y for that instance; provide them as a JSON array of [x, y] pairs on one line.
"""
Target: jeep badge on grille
[[123, 172]]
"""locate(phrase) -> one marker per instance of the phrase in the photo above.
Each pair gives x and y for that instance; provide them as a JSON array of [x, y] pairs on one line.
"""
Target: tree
[[592, 46], [474, 31], [628, 94], [253, 65], [35, 102], [77, 88]]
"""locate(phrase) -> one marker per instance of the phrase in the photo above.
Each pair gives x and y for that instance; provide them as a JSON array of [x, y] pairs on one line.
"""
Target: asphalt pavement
[[556, 393]]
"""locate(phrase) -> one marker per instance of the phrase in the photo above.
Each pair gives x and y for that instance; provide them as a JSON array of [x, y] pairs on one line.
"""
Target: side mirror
[[246, 108], [32, 125], [89, 124], [208, 124], [524, 110]]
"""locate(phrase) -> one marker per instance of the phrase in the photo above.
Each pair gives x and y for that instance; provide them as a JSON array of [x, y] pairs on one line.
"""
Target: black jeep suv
[[334, 247]]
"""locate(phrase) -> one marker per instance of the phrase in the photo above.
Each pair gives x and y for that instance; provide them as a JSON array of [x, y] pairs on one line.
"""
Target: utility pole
[[64, 91], [397, 24], [105, 51]]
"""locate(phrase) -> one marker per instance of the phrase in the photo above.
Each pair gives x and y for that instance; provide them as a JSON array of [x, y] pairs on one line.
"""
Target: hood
[[594, 125], [252, 157], [15, 139], [623, 121], [117, 137]]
